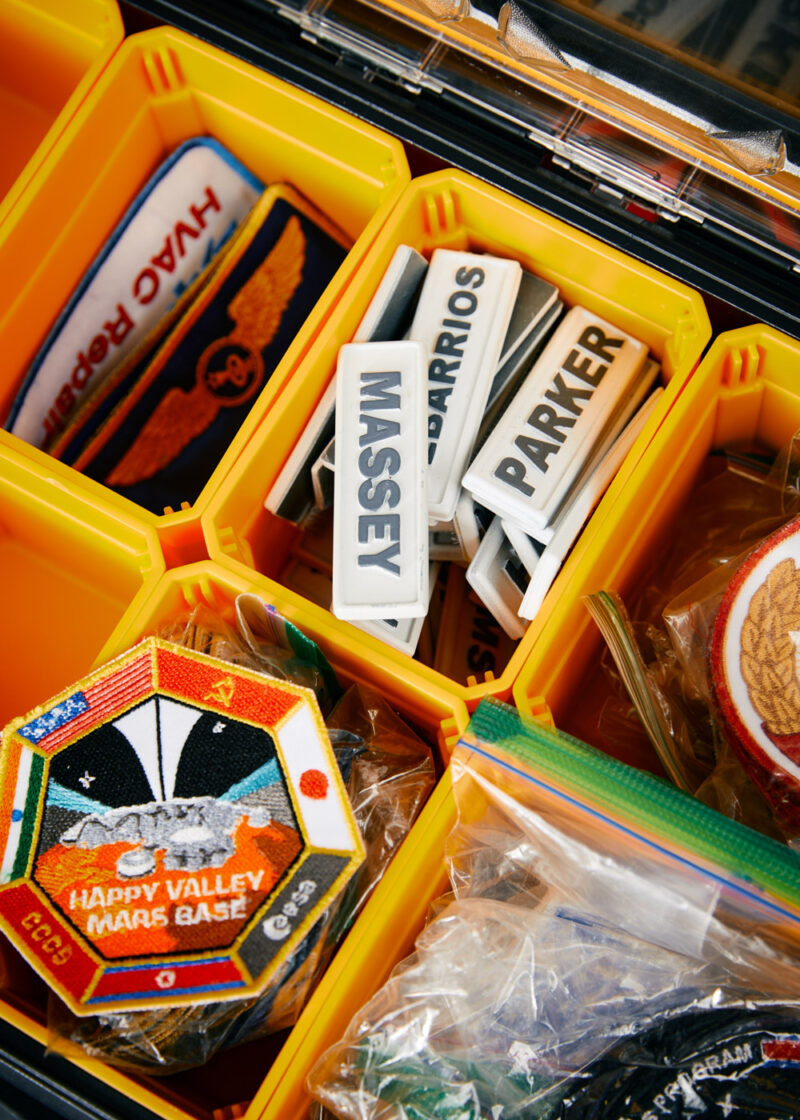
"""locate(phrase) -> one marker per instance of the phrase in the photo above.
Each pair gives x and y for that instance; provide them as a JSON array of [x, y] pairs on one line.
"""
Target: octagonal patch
[[170, 830]]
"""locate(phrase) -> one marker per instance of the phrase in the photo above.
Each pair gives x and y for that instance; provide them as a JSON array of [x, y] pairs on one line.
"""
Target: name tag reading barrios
[[174, 227], [462, 318], [380, 527], [535, 453]]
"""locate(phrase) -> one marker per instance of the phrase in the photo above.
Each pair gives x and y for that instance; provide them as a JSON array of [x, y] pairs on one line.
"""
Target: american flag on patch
[[108, 695]]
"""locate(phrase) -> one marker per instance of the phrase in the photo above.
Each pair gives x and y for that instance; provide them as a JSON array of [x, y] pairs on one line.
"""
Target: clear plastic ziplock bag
[[663, 646], [388, 772], [581, 967]]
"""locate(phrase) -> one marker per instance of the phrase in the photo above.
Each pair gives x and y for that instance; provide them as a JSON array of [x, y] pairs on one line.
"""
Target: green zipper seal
[[638, 799]]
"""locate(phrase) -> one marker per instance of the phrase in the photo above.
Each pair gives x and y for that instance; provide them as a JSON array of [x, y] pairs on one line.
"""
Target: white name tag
[[292, 493], [402, 634], [527, 549], [307, 476], [322, 473], [175, 226], [513, 369], [390, 310], [470, 523], [380, 527], [500, 579], [540, 444], [576, 514], [463, 314], [443, 542], [627, 409]]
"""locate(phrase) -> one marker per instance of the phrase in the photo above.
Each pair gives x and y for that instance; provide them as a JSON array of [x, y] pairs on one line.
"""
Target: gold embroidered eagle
[[257, 309]]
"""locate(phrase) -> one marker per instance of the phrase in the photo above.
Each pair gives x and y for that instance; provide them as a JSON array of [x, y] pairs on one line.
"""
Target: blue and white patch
[[185, 213]]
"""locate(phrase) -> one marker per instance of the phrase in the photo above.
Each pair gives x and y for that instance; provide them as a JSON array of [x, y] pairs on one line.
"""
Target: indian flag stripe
[[16, 815], [7, 788], [30, 817]]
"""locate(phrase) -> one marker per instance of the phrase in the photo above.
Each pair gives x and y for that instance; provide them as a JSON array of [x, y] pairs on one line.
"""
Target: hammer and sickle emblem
[[222, 692]]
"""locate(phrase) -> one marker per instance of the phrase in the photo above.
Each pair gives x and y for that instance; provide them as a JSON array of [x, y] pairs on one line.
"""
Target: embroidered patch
[[102, 401], [171, 829], [755, 663], [171, 231], [161, 444]]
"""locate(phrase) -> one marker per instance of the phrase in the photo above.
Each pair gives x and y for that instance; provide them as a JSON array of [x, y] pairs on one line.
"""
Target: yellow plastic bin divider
[[50, 56], [70, 568], [161, 88], [390, 919], [745, 388], [450, 209]]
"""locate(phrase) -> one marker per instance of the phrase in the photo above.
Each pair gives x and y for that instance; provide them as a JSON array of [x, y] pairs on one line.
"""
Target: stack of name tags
[[160, 352], [474, 420]]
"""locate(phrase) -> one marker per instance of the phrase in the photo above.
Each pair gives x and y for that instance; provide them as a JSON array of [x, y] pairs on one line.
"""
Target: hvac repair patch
[[171, 828]]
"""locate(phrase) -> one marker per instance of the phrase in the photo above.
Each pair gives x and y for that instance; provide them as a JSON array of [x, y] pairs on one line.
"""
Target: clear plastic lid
[[688, 108]]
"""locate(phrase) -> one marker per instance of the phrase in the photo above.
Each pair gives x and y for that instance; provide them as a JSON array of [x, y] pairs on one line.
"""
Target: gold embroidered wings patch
[[229, 371]]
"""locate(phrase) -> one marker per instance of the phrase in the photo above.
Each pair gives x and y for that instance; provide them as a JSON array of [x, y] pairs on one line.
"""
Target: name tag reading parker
[[535, 453], [380, 527], [463, 314]]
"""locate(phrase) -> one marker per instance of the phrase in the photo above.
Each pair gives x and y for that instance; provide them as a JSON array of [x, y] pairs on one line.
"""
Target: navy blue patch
[[160, 447]]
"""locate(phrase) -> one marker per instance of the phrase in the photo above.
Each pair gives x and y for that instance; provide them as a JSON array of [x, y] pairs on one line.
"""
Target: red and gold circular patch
[[755, 667]]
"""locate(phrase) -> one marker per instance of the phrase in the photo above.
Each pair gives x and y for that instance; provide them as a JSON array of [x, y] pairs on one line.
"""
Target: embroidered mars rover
[[196, 833]]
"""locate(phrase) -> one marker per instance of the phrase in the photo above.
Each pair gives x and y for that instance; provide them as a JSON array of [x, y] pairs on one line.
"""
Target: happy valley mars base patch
[[171, 829]]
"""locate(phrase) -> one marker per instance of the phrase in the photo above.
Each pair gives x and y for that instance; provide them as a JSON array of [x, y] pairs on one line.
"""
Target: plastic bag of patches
[[388, 773], [570, 974], [705, 650]]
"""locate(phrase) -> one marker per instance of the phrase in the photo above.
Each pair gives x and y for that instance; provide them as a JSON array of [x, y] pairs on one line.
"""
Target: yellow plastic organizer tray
[[226, 1085], [70, 568], [746, 388], [452, 210], [50, 56], [163, 87]]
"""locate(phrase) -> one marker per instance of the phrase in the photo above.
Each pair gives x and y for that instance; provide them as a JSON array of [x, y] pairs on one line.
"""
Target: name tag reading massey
[[380, 528], [463, 314], [190, 207], [539, 446]]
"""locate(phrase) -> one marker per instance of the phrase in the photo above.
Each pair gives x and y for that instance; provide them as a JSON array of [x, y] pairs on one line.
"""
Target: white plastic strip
[[577, 513], [380, 529], [527, 549], [470, 523], [291, 495], [401, 633], [322, 473], [499, 579], [622, 416], [462, 318], [536, 451], [389, 313], [307, 475]]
